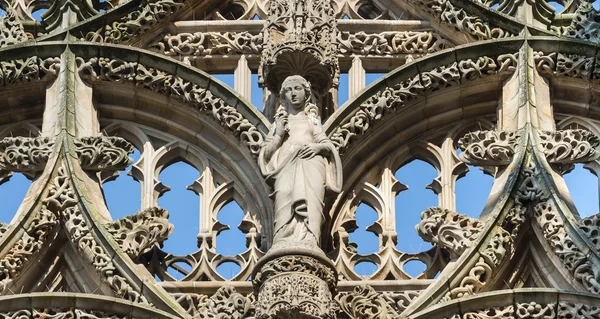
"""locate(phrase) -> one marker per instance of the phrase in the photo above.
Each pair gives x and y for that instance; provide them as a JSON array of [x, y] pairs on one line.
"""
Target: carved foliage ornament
[[449, 230], [585, 25], [365, 302], [137, 233], [136, 22], [488, 148], [446, 12], [62, 201], [397, 96], [100, 153], [23, 154], [391, 43], [27, 69], [225, 303], [116, 70], [210, 43], [569, 146], [11, 29]]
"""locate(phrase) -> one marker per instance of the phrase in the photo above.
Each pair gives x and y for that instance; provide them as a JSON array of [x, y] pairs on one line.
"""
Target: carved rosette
[[295, 284], [300, 38]]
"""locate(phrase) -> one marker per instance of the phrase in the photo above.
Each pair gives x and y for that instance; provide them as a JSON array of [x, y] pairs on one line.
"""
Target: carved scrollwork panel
[[391, 43], [449, 230], [159, 81], [209, 43], [569, 146], [137, 233], [101, 153], [22, 154], [491, 148], [225, 303], [395, 97]]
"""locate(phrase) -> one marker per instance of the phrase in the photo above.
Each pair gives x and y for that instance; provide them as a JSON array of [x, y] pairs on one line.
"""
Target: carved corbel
[[103, 153], [488, 148], [136, 234], [449, 230], [25, 154]]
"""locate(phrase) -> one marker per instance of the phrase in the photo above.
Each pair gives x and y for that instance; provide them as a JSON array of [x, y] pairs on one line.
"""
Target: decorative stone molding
[[11, 29], [300, 44], [585, 25], [42, 227], [590, 226], [101, 153], [116, 70], [225, 303], [136, 22], [446, 12], [391, 43], [488, 148], [136, 234], [62, 201], [577, 310], [27, 70], [25, 154], [574, 260], [209, 43], [556, 64], [394, 97], [569, 146], [289, 284], [451, 231], [365, 302]]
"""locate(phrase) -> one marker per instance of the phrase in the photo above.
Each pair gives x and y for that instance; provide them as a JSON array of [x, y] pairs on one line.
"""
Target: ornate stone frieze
[[564, 65], [449, 230], [585, 25], [225, 303], [569, 146], [574, 260], [210, 43], [11, 29], [590, 226], [25, 154], [488, 148], [117, 70], [136, 22], [300, 38], [394, 97], [448, 13], [365, 302], [137, 233], [43, 226], [391, 43], [294, 285], [62, 201], [27, 70], [574, 310], [60, 313], [101, 153]]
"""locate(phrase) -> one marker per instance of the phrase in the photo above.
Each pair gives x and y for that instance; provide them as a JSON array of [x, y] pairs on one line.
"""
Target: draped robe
[[298, 184]]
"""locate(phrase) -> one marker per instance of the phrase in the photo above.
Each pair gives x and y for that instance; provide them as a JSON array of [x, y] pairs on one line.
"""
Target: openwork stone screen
[[509, 87]]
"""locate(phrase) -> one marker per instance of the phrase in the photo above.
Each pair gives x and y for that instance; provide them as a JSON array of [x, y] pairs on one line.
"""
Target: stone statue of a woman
[[300, 163]]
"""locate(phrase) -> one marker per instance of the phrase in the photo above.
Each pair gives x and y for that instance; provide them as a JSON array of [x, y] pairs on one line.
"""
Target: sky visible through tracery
[[123, 198]]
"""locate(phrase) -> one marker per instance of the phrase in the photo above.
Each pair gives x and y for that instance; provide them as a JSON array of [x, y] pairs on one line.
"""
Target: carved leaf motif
[[101, 153], [365, 302], [22, 154], [449, 230], [570, 146], [488, 148], [137, 233]]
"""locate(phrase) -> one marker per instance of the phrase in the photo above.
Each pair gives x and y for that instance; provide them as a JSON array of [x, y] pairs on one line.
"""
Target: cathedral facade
[[514, 85]]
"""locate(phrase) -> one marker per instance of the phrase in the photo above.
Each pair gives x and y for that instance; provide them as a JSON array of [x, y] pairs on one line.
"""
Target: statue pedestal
[[294, 283]]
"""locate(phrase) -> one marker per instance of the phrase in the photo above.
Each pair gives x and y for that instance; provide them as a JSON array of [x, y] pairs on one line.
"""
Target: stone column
[[242, 78], [356, 77]]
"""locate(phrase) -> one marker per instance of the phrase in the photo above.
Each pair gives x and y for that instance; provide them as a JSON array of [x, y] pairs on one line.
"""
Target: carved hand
[[311, 150]]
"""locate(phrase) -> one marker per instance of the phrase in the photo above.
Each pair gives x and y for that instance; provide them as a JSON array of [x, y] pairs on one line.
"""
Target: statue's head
[[295, 91]]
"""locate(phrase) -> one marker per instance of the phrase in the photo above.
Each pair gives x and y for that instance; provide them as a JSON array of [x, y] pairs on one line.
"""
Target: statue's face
[[294, 94]]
